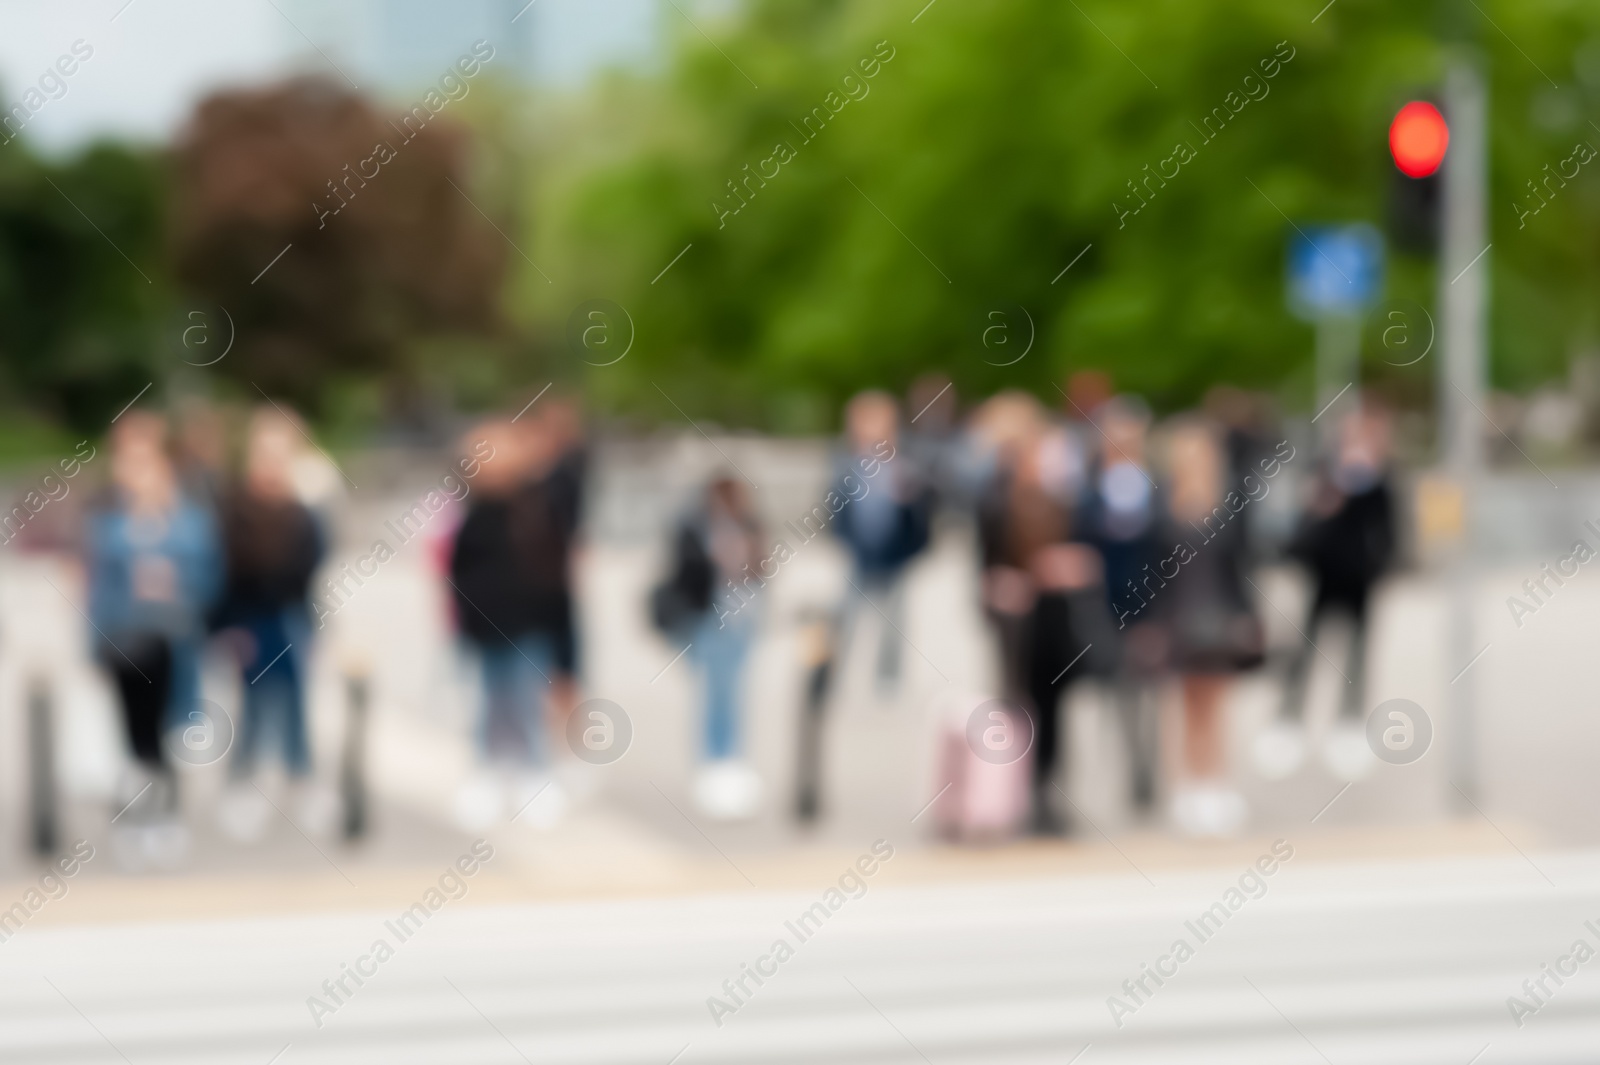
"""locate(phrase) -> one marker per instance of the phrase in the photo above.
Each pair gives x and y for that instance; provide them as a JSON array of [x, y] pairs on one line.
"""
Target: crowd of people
[[208, 545], [1113, 551], [180, 550], [1119, 552]]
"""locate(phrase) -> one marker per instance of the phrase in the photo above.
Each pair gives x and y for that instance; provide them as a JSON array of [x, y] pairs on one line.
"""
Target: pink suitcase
[[988, 794]]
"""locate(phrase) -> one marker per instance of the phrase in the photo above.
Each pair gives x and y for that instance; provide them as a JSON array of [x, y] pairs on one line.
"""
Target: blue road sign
[[1334, 270]]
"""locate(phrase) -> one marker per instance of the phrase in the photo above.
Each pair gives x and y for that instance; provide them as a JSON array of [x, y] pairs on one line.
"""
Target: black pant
[[1069, 638], [141, 668], [1047, 645], [1354, 606]]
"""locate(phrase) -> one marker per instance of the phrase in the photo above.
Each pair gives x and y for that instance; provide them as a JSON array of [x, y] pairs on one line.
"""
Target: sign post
[[1463, 288], [1335, 273]]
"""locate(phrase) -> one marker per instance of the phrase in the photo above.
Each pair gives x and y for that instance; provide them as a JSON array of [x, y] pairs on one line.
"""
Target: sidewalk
[[599, 856]]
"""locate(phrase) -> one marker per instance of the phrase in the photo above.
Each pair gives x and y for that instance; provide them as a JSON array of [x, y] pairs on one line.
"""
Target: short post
[[352, 770], [43, 806]]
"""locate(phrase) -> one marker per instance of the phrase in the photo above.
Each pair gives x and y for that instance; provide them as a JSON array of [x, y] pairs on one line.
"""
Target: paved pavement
[[1409, 961]]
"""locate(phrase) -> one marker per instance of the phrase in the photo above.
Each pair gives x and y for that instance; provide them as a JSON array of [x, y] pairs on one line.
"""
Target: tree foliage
[[384, 247], [81, 281], [993, 149]]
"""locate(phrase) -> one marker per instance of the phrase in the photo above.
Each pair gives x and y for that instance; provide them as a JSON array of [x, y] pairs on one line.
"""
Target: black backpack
[[685, 593]]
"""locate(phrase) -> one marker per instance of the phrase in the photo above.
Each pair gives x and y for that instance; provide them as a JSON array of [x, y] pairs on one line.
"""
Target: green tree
[[82, 281], [996, 146]]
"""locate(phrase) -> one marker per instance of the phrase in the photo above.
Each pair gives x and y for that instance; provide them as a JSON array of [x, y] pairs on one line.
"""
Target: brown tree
[[383, 247]]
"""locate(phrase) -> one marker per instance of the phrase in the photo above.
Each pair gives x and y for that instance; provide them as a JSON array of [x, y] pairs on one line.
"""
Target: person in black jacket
[[1122, 514], [272, 546], [508, 574], [710, 602], [1347, 541]]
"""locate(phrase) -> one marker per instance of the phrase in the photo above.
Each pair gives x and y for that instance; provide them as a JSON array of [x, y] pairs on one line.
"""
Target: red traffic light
[[1418, 138]]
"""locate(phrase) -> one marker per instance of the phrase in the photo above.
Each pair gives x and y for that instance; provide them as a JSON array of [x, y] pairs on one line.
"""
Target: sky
[[152, 60]]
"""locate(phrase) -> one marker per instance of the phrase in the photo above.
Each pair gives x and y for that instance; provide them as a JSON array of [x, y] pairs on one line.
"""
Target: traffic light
[[1418, 140], [1418, 137]]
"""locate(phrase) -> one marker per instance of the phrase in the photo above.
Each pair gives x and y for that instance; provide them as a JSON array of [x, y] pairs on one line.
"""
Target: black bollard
[[817, 638], [352, 771], [43, 807]]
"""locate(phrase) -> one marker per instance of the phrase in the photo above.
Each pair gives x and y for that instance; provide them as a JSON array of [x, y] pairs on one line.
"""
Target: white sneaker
[[580, 779], [318, 809], [1185, 810], [127, 847], [166, 844], [1279, 750], [480, 802], [539, 802], [243, 814], [1225, 812], [1345, 751], [727, 790], [1209, 811]]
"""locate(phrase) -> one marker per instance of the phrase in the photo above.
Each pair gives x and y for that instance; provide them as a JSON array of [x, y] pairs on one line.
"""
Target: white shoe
[[127, 847], [243, 814], [1225, 812], [1279, 750], [1345, 751], [166, 844], [580, 779], [318, 809], [480, 803], [539, 802], [727, 790], [1209, 811]]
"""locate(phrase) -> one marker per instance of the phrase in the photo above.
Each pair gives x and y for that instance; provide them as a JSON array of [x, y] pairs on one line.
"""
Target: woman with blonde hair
[[272, 546], [1214, 633]]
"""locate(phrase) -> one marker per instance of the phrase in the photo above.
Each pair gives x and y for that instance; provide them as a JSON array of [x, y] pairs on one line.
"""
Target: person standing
[[273, 546], [1213, 632], [1347, 541], [710, 601], [153, 571], [1006, 429], [1121, 517], [1037, 583], [496, 565], [884, 527]]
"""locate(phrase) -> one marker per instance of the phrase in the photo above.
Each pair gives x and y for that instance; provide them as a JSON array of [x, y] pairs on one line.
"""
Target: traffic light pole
[[1463, 291], [1464, 273]]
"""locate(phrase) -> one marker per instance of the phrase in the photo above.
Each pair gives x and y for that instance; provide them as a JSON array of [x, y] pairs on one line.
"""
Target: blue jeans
[[273, 695], [515, 682], [721, 652]]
